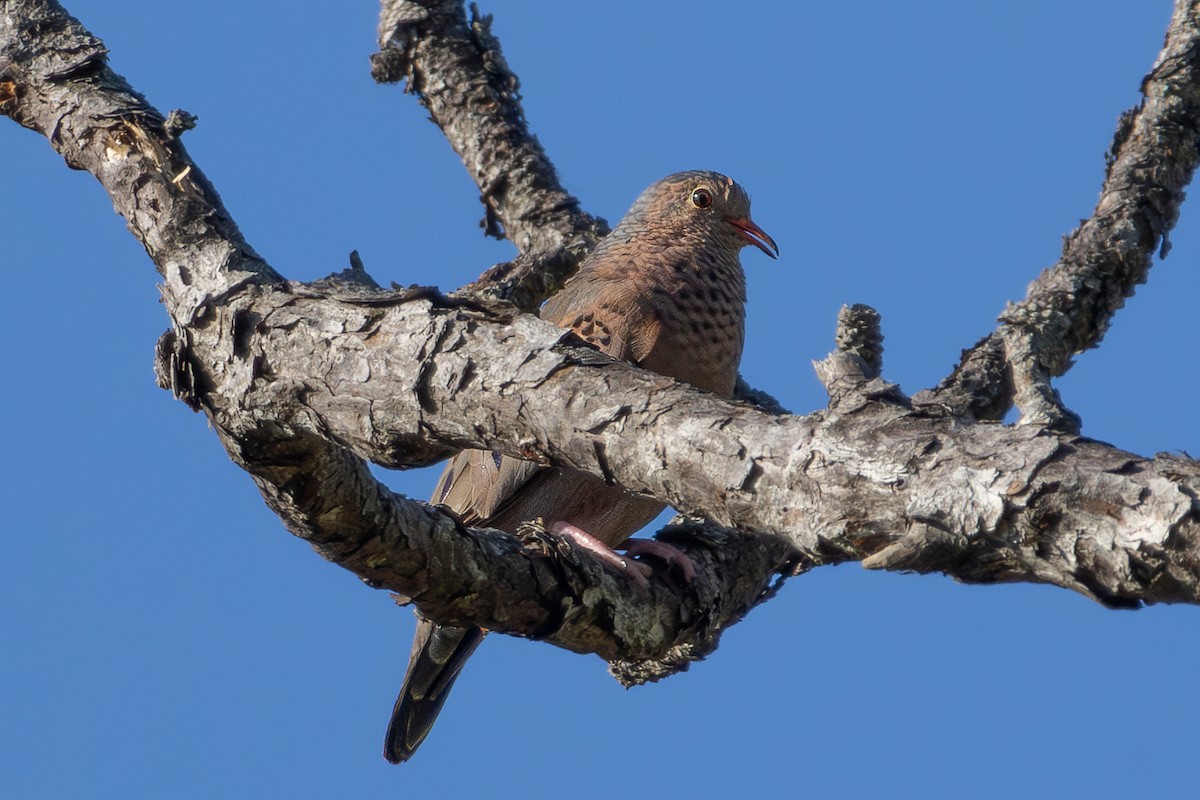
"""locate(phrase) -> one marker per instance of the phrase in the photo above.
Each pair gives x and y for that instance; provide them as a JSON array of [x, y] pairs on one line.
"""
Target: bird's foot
[[675, 559], [635, 569]]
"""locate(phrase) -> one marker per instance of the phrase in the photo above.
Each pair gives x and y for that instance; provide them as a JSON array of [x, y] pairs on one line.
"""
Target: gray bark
[[305, 384]]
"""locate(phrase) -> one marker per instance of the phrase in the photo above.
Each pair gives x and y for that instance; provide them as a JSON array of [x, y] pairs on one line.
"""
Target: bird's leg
[[636, 570], [669, 554]]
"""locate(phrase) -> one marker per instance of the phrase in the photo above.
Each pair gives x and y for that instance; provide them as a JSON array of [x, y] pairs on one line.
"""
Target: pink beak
[[755, 236]]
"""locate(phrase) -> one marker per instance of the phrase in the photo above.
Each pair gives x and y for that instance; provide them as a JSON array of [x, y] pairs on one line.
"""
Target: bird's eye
[[702, 198]]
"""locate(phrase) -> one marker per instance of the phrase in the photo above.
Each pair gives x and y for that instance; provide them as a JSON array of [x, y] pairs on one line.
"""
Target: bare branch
[[1069, 307], [458, 72], [983, 503], [97, 122], [541, 590]]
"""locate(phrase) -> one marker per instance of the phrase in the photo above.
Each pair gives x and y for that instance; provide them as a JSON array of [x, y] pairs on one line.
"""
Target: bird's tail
[[438, 655]]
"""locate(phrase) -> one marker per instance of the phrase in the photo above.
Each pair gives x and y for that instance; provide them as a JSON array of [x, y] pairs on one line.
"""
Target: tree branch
[[1068, 308], [457, 71], [303, 383], [869, 476]]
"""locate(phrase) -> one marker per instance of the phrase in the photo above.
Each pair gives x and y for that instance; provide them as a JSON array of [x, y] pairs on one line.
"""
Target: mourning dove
[[664, 290]]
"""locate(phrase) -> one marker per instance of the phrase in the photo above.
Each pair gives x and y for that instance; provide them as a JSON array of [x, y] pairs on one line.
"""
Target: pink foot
[[635, 569], [671, 555]]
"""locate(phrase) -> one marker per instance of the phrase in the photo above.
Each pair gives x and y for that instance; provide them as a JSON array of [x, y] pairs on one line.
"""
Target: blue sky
[[165, 637]]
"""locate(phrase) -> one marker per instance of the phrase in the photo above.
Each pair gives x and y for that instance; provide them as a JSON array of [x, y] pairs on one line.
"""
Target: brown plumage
[[664, 290]]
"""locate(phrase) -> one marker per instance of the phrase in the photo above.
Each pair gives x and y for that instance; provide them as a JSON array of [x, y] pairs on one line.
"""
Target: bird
[[664, 290]]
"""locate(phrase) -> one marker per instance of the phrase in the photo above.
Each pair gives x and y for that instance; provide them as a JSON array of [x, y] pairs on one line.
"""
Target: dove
[[666, 291]]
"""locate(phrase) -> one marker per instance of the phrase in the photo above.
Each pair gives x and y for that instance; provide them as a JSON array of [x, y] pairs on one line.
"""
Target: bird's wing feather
[[476, 484], [613, 313]]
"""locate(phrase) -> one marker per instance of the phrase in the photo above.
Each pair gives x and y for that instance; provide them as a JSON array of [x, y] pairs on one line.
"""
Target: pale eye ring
[[702, 198]]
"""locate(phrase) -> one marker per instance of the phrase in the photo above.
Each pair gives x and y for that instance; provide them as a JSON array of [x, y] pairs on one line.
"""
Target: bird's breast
[[701, 327]]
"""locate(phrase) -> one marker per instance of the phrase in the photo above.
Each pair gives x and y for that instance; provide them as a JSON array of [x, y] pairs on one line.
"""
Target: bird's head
[[698, 203]]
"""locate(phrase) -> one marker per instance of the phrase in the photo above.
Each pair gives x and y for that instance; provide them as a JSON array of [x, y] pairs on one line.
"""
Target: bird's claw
[[635, 569], [675, 559]]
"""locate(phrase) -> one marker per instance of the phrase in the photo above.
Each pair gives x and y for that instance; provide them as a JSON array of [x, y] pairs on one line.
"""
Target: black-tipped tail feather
[[438, 655]]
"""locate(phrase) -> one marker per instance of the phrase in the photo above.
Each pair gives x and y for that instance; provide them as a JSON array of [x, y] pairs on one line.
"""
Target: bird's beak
[[755, 236]]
